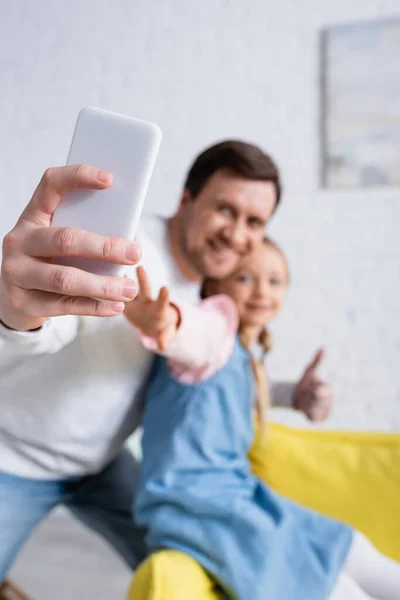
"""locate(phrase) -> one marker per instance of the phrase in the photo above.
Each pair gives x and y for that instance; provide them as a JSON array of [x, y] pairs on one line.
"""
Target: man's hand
[[157, 319], [32, 287], [313, 396]]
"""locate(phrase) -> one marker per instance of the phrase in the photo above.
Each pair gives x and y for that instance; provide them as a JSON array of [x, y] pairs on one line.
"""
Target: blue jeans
[[103, 502]]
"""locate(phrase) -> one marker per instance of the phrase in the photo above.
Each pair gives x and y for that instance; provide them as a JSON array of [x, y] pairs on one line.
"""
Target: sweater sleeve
[[56, 333], [282, 394]]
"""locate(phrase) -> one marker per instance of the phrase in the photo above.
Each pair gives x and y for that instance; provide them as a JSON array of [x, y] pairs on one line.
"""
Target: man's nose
[[239, 235]]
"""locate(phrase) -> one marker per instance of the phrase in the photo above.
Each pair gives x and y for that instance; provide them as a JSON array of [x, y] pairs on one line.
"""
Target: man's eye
[[256, 224], [224, 209]]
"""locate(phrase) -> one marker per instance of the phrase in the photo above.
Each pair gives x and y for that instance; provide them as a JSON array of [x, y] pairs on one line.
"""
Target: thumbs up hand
[[312, 396]]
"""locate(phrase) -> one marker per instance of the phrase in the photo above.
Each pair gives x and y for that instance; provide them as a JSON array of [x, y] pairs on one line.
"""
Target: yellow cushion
[[172, 575], [354, 477]]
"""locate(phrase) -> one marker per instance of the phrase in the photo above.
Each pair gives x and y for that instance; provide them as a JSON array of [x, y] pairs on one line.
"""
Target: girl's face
[[258, 286]]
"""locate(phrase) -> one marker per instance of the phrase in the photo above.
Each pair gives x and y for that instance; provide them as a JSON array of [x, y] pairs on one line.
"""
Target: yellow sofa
[[354, 477]]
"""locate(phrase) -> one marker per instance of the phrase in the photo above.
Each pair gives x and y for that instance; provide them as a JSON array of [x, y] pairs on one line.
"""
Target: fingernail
[[103, 176], [129, 289], [117, 306], [133, 253]]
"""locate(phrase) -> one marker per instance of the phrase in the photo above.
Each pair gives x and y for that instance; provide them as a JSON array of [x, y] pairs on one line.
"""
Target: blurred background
[[274, 73]]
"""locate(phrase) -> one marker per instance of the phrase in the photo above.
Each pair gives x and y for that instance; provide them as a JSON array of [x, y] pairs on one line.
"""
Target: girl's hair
[[265, 341]]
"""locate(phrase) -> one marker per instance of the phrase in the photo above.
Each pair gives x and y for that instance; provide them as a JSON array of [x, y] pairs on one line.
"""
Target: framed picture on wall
[[360, 110]]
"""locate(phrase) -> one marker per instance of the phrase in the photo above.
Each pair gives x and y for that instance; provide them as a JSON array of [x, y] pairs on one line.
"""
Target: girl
[[196, 492]]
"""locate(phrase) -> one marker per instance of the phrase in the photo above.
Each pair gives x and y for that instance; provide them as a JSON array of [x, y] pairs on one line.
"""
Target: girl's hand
[[158, 319]]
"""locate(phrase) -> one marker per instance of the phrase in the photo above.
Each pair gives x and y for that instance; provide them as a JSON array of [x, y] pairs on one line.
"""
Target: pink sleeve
[[204, 340]]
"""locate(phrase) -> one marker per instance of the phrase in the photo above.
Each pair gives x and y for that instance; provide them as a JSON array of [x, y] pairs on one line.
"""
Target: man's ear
[[186, 198]]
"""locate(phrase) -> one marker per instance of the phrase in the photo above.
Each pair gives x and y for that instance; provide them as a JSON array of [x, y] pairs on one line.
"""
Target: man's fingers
[[45, 304], [144, 284], [316, 361], [323, 390], [321, 402], [317, 415], [68, 281], [58, 181], [321, 409], [53, 242]]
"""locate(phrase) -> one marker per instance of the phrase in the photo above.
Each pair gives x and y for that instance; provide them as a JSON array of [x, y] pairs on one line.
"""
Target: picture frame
[[360, 105]]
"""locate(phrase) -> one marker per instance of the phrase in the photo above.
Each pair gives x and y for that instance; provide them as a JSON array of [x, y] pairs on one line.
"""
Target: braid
[[260, 375], [266, 341]]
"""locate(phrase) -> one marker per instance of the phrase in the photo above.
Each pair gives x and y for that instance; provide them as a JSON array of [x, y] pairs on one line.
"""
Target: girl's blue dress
[[197, 494]]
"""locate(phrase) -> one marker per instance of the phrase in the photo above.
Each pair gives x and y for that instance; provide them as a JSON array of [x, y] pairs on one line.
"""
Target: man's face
[[224, 222]]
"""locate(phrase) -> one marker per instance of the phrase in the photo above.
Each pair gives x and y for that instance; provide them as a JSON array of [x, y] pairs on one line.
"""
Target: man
[[70, 383]]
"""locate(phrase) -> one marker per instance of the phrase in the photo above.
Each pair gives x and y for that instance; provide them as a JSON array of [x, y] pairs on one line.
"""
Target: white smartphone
[[125, 147]]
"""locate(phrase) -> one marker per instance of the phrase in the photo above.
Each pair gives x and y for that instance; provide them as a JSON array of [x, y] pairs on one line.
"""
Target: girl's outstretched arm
[[198, 340]]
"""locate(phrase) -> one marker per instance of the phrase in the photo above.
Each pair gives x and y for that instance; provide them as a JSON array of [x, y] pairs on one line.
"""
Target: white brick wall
[[204, 71]]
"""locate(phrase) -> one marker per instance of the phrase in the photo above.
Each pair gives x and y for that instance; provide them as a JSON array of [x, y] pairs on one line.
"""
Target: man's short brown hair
[[241, 158]]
